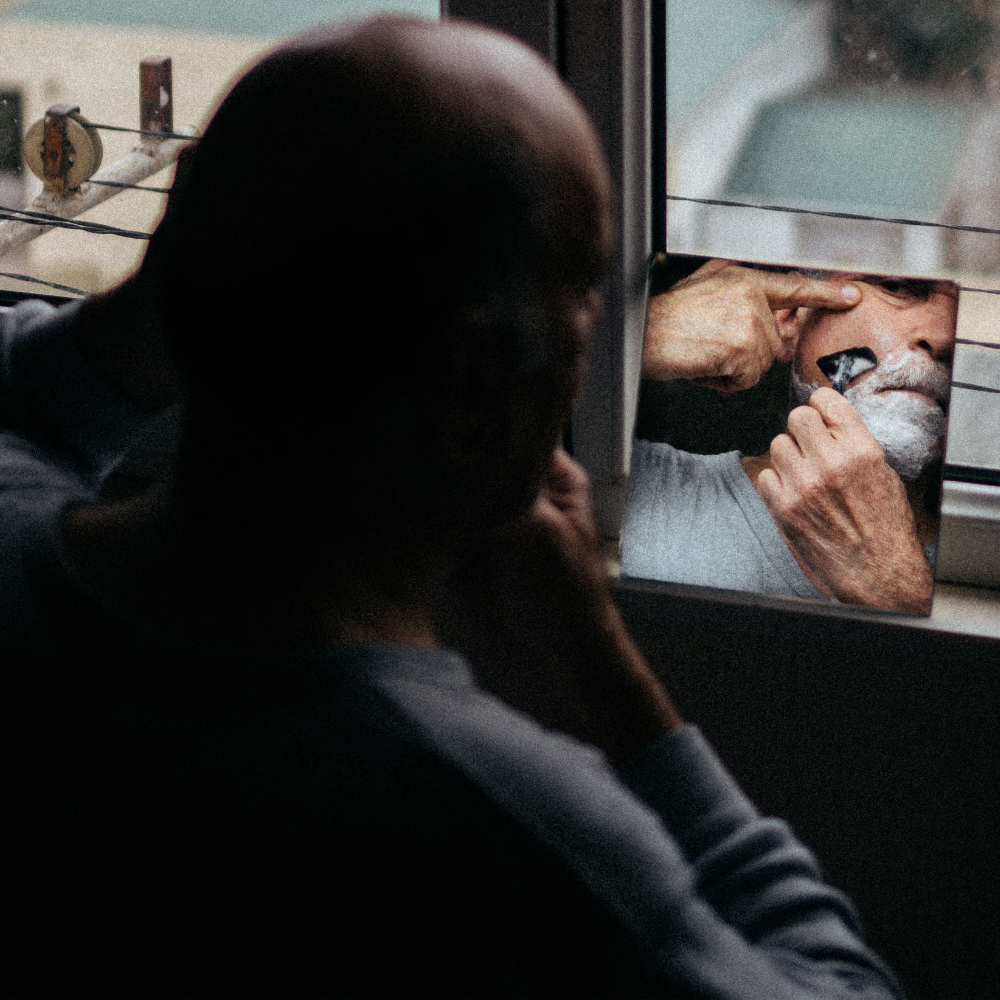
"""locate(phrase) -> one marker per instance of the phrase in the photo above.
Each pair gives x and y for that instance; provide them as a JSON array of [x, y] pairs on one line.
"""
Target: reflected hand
[[843, 510], [533, 612], [719, 328]]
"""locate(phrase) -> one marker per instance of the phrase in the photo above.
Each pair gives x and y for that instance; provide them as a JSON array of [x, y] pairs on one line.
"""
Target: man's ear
[[789, 325]]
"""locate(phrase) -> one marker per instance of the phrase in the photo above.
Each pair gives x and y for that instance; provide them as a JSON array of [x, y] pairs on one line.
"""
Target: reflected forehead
[[932, 286]]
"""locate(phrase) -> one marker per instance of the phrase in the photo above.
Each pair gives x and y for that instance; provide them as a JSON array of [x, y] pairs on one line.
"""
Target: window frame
[[604, 49]]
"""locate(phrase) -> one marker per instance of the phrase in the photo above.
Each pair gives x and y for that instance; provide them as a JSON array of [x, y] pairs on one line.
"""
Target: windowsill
[[964, 622]]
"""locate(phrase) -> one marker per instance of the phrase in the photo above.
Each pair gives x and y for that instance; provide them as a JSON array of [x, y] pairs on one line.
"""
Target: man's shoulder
[[678, 493]]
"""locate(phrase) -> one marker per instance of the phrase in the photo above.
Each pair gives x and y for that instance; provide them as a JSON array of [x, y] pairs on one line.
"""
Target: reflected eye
[[901, 288]]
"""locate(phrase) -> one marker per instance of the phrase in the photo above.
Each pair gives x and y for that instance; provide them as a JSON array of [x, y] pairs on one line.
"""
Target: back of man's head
[[355, 196]]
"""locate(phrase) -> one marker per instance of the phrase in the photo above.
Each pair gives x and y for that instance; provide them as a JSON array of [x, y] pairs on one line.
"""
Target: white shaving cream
[[909, 425]]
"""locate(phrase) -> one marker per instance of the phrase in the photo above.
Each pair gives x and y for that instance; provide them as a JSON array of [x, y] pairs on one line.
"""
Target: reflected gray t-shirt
[[697, 519]]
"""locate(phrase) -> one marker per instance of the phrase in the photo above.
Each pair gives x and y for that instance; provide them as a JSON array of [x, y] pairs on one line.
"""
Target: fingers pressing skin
[[718, 326], [843, 511], [795, 291]]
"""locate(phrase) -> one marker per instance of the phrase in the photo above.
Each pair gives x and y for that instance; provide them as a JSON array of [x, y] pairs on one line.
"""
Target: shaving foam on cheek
[[909, 427]]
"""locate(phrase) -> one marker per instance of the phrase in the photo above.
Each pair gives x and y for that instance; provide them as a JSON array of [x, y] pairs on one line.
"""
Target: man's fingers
[[565, 474], [769, 486], [808, 427], [794, 291], [705, 271], [836, 411], [827, 419], [785, 453]]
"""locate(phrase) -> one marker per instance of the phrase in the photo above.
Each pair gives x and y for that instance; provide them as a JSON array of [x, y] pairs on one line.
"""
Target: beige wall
[[98, 69]]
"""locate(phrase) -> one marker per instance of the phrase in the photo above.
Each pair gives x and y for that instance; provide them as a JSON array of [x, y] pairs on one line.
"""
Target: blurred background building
[[87, 53], [877, 107]]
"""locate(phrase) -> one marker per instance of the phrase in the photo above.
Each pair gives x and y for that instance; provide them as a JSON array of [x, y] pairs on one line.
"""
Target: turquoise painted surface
[[708, 38], [267, 18], [851, 154]]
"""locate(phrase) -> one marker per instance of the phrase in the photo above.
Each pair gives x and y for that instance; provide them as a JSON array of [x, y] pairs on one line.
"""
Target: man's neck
[[927, 518], [137, 554]]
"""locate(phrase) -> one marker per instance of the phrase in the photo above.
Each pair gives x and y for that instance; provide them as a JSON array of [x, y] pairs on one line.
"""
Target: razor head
[[842, 366]]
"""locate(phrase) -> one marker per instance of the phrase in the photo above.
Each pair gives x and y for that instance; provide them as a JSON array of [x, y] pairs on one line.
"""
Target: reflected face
[[910, 327], [893, 316]]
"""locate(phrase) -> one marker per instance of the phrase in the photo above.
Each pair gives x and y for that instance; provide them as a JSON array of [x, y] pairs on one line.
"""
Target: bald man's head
[[433, 166], [358, 195]]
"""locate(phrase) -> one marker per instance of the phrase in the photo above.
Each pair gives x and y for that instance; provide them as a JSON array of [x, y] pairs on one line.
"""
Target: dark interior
[[876, 741]]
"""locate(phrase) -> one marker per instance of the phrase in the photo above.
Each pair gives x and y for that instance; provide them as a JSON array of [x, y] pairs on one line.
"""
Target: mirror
[[744, 477]]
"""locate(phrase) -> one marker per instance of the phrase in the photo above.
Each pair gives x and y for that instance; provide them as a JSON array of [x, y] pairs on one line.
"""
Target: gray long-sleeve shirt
[[361, 820]]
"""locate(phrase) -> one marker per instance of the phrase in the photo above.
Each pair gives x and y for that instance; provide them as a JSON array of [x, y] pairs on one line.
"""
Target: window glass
[[87, 53], [872, 107]]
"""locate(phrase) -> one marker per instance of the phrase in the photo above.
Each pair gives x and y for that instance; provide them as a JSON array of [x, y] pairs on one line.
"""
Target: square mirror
[[790, 432]]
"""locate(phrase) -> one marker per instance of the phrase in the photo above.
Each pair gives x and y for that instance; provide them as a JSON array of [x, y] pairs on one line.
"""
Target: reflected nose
[[934, 328]]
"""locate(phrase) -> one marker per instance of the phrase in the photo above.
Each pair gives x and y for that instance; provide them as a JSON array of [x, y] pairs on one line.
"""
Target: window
[[848, 108], [873, 108]]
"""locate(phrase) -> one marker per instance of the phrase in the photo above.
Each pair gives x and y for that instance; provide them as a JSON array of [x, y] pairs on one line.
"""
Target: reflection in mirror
[[888, 108], [790, 432]]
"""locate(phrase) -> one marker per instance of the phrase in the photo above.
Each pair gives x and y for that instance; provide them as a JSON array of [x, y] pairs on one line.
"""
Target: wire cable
[[131, 187], [847, 215], [835, 215], [38, 281], [139, 131], [977, 388], [94, 228], [977, 343], [32, 218]]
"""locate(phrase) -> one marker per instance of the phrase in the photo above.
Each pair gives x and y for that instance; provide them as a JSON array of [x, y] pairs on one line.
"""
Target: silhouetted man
[[244, 765]]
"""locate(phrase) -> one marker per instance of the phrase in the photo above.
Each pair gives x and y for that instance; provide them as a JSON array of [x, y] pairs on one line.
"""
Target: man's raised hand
[[843, 510], [533, 612], [718, 327]]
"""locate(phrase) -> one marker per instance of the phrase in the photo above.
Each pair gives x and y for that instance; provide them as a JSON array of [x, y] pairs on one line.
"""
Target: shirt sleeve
[[62, 430], [719, 901], [53, 401], [757, 879]]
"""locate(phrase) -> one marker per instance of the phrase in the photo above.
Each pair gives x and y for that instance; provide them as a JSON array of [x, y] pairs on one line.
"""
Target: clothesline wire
[[846, 215], [56, 221], [133, 187], [39, 281], [140, 131], [834, 215], [33, 218]]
